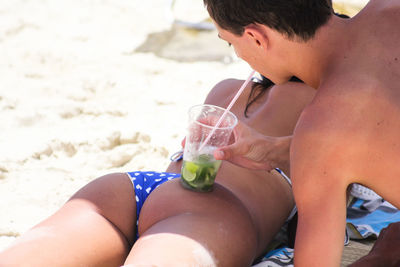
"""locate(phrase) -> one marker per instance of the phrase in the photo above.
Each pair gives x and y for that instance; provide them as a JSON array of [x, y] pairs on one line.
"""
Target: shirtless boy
[[350, 131]]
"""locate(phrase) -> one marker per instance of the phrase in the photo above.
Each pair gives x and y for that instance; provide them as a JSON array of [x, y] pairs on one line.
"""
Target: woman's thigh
[[94, 228]]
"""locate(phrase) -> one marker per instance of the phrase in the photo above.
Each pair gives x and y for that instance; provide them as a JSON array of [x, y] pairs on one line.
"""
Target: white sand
[[77, 101], [89, 87]]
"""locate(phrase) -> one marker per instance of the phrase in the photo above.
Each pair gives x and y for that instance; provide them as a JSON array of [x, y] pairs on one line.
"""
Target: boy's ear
[[256, 35]]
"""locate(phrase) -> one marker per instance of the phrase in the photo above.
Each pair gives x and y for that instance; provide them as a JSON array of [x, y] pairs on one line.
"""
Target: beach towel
[[367, 215]]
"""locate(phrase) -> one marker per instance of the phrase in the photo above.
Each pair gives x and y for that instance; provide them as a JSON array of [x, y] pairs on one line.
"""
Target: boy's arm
[[321, 221], [320, 179]]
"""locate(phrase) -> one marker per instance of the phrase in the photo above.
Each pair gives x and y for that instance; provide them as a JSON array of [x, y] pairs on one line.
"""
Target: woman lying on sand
[[230, 226]]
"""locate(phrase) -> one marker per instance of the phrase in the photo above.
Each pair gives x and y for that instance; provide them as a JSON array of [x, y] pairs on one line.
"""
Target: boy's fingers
[[223, 153], [219, 155]]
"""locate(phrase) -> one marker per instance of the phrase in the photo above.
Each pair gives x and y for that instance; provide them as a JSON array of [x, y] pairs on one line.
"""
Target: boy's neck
[[313, 60]]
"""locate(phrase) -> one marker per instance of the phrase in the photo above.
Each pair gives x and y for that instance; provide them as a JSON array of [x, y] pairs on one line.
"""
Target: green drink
[[206, 132], [199, 175]]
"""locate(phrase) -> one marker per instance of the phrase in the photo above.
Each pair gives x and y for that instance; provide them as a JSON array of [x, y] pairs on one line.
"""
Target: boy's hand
[[253, 150]]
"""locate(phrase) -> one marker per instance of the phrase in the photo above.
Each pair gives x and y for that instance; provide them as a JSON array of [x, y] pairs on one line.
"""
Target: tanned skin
[[348, 134]]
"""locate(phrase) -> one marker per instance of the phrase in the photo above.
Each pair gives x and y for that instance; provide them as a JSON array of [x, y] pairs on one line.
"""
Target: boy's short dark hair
[[294, 18]]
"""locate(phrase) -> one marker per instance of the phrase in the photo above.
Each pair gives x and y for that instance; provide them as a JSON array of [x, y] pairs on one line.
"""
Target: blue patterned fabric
[[144, 183], [278, 257]]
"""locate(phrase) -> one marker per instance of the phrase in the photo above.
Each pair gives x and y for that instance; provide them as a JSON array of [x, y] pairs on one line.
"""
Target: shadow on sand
[[185, 44]]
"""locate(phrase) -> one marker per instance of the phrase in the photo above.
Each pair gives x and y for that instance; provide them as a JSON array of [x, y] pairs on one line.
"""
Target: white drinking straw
[[227, 109]]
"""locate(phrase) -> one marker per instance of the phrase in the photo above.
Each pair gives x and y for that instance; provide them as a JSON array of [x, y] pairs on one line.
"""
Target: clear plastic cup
[[199, 165]]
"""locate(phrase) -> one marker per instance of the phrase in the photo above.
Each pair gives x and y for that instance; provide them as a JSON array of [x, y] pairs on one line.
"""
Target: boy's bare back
[[351, 131], [357, 108]]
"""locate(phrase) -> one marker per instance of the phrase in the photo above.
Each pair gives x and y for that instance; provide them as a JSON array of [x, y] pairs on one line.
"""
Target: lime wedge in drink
[[189, 171]]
